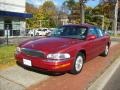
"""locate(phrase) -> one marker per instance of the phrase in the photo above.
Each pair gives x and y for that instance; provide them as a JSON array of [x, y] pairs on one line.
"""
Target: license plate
[[27, 62]]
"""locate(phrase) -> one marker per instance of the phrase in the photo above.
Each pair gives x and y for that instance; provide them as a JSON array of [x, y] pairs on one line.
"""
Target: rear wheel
[[106, 51], [78, 64]]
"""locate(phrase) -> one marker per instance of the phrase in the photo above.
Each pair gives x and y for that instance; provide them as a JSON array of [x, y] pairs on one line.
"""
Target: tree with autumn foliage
[[44, 16], [49, 11], [31, 22], [75, 6], [105, 10]]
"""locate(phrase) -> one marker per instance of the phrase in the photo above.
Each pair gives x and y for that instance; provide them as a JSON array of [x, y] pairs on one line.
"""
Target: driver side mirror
[[91, 37]]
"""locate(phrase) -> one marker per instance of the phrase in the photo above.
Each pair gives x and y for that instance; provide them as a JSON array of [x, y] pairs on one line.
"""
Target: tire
[[37, 34], [78, 64], [106, 51], [31, 35]]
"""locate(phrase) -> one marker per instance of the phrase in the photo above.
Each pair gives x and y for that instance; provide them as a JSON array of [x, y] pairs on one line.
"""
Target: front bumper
[[42, 64]]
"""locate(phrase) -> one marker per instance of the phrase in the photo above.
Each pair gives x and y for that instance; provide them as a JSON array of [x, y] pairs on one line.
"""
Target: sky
[[37, 3]]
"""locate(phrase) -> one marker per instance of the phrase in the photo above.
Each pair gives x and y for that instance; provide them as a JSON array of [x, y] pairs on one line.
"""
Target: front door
[[93, 47], [8, 26]]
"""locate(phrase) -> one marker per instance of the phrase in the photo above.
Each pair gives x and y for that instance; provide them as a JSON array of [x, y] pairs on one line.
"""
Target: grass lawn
[[7, 56]]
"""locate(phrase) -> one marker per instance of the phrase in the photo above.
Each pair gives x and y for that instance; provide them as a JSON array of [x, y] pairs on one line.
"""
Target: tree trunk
[[82, 11], [115, 18]]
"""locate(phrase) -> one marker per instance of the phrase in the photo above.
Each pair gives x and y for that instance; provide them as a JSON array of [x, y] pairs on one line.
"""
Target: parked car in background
[[43, 32], [39, 32], [110, 32], [32, 32], [66, 49]]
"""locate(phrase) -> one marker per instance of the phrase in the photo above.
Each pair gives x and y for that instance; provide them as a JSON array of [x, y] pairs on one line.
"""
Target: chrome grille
[[32, 52]]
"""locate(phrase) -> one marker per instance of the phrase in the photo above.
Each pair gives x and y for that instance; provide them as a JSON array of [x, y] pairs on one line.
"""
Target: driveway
[[17, 78]]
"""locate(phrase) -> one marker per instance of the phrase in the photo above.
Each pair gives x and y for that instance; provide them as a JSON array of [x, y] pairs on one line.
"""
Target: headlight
[[18, 50], [58, 56]]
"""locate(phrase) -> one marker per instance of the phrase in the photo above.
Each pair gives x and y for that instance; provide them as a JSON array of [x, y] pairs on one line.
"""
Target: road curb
[[100, 83]]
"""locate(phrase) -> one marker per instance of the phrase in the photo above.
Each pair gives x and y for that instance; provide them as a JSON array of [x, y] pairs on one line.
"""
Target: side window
[[92, 31], [99, 32], [81, 30]]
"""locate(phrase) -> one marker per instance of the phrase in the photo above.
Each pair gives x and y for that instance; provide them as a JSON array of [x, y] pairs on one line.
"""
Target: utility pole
[[115, 18]]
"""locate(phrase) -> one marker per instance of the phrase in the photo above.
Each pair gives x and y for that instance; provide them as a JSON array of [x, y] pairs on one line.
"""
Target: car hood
[[50, 44]]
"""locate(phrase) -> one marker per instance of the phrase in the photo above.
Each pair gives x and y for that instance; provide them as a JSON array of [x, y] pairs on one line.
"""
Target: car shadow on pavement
[[40, 71]]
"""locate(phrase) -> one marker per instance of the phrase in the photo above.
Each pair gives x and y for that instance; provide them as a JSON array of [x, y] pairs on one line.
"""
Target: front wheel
[[78, 64]]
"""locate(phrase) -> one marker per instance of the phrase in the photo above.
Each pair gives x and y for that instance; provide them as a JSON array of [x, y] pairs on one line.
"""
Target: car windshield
[[75, 32]]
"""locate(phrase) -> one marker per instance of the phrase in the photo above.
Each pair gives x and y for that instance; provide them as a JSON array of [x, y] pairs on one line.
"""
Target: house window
[[16, 27], [1, 25]]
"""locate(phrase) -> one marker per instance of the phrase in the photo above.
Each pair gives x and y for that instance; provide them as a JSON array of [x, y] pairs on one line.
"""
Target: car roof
[[81, 25]]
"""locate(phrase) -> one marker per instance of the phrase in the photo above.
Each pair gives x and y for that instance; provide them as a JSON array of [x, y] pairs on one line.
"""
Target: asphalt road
[[114, 82]]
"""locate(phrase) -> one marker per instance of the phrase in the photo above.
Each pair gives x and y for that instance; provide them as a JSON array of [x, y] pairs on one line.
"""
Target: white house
[[12, 17]]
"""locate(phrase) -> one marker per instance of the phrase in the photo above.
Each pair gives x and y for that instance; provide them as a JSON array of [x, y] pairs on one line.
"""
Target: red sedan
[[66, 49]]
